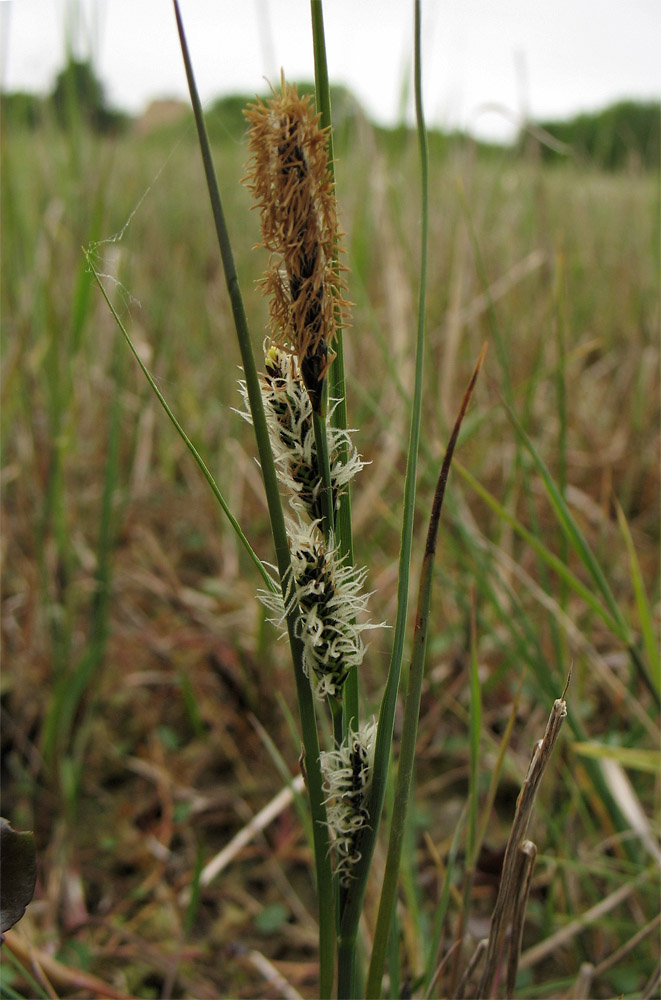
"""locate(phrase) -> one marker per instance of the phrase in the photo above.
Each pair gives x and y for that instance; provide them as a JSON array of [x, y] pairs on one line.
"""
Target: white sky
[[550, 58]]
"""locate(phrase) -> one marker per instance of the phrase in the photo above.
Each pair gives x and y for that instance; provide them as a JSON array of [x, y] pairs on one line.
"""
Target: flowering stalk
[[305, 700], [290, 179]]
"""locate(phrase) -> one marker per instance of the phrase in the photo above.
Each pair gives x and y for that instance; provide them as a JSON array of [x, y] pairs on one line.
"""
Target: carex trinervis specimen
[[290, 179]]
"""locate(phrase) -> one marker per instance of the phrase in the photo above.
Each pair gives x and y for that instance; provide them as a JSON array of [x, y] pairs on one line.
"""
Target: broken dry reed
[[526, 855], [518, 861]]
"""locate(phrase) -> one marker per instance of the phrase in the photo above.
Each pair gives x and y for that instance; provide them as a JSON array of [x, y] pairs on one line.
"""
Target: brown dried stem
[[526, 855], [512, 893]]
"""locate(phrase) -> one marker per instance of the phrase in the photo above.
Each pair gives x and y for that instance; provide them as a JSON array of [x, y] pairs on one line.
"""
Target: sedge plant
[[321, 591], [305, 446], [294, 397]]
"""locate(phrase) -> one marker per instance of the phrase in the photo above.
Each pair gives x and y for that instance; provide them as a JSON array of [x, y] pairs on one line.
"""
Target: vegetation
[[623, 135], [77, 98], [147, 709]]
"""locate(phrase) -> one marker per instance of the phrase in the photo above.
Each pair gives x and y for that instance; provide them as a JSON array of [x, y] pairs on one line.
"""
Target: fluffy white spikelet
[[289, 419], [325, 590], [347, 774], [329, 596]]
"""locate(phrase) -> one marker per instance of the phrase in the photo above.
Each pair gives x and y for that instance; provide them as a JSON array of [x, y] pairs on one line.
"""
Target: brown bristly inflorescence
[[290, 180]]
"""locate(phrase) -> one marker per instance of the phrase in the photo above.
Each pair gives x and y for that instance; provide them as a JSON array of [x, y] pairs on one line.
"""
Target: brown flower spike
[[290, 180]]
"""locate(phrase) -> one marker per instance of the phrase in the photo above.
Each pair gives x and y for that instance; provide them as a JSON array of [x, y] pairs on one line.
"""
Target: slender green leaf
[[8, 993], [71, 686], [475, 732], [394, 964], [650, 641], [195, 891], [633, 758], [571, 530], [552, 560], [442, 907], [495, 775], [355, 897], [283, 771], [412, 713], [187, 441]]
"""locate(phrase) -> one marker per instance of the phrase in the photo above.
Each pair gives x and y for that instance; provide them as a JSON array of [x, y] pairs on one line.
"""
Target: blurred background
[[143, 693], [486, 68]]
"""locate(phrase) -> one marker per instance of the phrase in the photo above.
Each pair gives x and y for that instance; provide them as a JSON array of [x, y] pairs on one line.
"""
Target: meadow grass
[[138, 657]]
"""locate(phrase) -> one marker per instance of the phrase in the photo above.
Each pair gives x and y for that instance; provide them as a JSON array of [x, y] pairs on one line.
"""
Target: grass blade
[[554, 563], [411, 713], [633, 758], [431, 971], [182, 434], [650, 642], [71, 688], [571, 530], [579, 544], [351, 915], [475, 730]]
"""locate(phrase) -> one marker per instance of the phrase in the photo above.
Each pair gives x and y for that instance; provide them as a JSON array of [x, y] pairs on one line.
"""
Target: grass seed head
[[330, 599], [347, 773], [288, 409], [290, 180], [332, 605]]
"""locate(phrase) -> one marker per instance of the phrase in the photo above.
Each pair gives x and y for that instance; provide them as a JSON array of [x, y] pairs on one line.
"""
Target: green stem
[[411, 715], [337, 379], [323, 459], [555, 564], [182, 433], [337, 716], [346, 947], [356, 893]]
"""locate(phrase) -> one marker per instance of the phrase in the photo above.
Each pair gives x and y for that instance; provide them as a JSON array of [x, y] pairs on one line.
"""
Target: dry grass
[[163, 763]]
